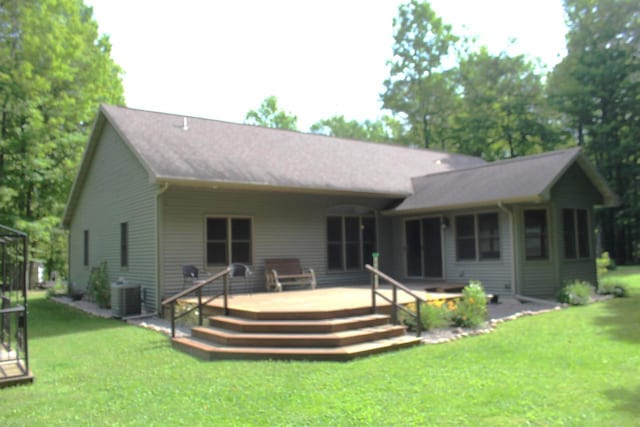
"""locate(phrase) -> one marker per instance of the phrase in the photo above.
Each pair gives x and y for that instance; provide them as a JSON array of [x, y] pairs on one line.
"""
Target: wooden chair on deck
[[282, 272]]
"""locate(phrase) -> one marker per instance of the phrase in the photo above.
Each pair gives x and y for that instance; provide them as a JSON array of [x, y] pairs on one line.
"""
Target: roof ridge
[[504, 161], [310, 134]]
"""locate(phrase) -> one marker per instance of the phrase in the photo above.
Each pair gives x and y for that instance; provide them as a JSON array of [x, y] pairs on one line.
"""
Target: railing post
[[418, 320], [226, 294], [376, 264], [199, 306], [373, 293], [394, 310], [173, 319]]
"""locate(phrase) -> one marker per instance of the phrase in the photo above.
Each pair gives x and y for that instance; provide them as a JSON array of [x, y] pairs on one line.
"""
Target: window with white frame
[[228, 241]]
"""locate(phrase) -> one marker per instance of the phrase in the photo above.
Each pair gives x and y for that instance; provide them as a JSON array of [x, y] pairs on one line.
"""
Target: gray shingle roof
[[215, 153], [523, 179], [218, 152]]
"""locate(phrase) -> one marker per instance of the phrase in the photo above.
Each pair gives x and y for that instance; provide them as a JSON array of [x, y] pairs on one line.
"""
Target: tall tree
[[386, 129], [503, 112], [419, 89], [54, 71], [597, 87], [270, 115]]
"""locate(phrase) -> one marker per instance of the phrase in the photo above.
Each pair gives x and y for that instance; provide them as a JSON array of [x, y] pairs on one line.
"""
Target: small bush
[[576, 292], [60, 288], [99, 289], [617, 289], [433, 314], [603, 264], [471, 309]]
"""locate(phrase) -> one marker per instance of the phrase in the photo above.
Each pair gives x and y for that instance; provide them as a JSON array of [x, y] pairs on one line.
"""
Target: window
[[488, 236], [466, 237], [228, 241], [477, 237], [351, 240], [535, 234], [124, 244], [85, 249], [576, 233]]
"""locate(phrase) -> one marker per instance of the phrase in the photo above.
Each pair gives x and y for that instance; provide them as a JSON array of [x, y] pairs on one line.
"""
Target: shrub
[[99, 289], [617, 289], [603, 264], [471, 309], [576, 292], [59, 288], [433, 314]]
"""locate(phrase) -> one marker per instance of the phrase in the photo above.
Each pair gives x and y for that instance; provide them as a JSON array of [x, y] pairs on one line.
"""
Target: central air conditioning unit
[[125, 299]]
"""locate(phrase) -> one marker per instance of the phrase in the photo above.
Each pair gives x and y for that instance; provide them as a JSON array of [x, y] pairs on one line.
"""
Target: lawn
[[578, 366]]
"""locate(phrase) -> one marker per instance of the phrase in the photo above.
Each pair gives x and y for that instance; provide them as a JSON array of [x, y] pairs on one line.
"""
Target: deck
[[316, 303], [321, 324]]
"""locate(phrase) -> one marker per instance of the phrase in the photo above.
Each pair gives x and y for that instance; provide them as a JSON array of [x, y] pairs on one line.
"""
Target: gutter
[[159, 193], [514, 245]]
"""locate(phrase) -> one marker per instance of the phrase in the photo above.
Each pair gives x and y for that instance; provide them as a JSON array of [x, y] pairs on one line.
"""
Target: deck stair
[[338, 336]]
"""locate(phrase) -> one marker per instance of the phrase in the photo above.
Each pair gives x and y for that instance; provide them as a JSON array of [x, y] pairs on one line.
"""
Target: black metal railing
[[395, 306], [13, 300], [197, 289]]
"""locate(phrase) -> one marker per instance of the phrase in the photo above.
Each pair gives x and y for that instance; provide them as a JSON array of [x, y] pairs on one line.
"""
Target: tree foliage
[[419, 89], [503, 112], [387, 129], [597, 88], [54, 71], [270, 115]]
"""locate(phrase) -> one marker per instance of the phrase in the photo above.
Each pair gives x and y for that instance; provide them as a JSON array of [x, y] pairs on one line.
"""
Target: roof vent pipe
[[185, 125]]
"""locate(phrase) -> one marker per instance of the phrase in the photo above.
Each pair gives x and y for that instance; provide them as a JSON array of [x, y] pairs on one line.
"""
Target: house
[[158, 191]]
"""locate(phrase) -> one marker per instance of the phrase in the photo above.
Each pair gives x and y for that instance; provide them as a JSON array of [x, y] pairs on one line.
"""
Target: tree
[[419, 89], [386, 129], [597, 87], [54, 71], [269, 115], [503, 111]]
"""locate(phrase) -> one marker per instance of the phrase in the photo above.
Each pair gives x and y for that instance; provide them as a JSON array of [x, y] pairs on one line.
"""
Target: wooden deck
[[320, 324], [313, 304]]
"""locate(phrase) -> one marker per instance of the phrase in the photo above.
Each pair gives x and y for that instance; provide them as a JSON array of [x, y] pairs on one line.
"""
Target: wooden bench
[[282, 272]]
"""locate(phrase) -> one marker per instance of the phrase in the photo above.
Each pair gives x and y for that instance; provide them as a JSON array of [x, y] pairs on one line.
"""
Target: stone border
[[441, 336]]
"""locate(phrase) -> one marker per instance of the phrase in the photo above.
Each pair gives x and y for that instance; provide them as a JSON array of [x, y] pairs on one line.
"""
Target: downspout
[[158, 248], [514, 246]]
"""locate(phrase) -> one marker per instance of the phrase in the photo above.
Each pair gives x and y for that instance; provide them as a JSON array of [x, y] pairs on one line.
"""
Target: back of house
[[156, 192]]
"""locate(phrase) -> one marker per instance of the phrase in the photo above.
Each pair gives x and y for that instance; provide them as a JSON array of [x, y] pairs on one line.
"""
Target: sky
[[219, 59]]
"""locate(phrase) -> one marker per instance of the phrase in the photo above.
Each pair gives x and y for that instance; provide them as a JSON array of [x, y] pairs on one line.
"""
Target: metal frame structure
[[14, 349]]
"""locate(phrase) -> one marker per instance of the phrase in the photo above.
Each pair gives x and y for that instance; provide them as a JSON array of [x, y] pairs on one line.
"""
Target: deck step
[[307, 314], [212, 351], [298, 326], [331, 339]]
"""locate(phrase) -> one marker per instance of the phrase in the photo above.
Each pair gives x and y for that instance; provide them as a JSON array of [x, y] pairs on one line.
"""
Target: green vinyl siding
[[284, 225], [116, 190]]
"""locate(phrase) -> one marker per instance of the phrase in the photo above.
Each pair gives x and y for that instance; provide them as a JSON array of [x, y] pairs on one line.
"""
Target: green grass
[[579, 366]]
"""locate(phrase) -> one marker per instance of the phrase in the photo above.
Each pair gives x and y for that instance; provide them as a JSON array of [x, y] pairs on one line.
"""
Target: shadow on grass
[[625, 400], [49, 319], [622, 319]]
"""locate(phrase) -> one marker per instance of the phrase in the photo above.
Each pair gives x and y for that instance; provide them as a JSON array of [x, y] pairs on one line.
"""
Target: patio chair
[[189, 275]]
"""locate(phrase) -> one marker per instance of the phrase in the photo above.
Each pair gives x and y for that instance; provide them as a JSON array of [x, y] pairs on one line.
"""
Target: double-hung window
[[228, 240], [536, 245], [351, 240], [576, 233], [477, 237]]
